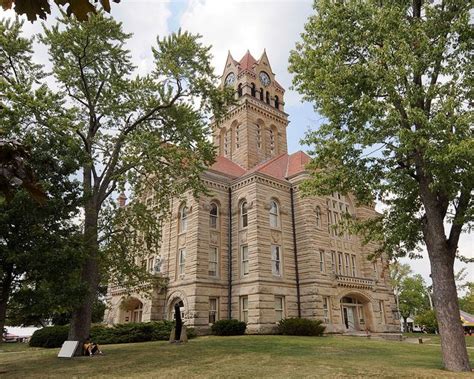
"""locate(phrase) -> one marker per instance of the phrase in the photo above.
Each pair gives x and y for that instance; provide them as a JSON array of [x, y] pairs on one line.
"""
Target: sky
[[235, 26]]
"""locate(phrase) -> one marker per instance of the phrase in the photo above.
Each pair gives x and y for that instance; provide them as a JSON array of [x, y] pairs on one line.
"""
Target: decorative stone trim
[[354, 282]]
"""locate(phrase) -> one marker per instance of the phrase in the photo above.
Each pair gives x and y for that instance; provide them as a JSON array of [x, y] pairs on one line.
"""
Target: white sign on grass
[[68, 349]]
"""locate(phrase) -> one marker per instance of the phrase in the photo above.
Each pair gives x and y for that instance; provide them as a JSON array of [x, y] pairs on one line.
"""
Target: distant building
[[255, 249]]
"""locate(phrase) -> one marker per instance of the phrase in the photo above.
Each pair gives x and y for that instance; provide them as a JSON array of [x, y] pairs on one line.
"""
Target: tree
[[41, 8], [466, 303], [140, 132], [427, 319], [35, 237], [393, 80], [413, 298], [398, 273]]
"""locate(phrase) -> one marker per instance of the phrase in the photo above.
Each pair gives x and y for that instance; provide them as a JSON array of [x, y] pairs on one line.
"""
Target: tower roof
[[247, 62]]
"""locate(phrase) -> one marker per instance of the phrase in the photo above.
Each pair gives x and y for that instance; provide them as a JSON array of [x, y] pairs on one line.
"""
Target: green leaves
[[395, 91]]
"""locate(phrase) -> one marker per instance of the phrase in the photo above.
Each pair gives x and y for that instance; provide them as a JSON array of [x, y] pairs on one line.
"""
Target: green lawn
[[237, 357], [434, 338]]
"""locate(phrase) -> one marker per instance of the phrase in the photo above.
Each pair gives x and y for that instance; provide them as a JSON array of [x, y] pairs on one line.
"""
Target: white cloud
[[254, 25]]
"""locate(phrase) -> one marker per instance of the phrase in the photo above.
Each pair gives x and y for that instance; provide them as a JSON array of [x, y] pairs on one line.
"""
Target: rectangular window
[[348, 264], [326, 310], [360, 311], [354, 266], [151, 261], [339, 264], [279, 308], [213, 261], [321, 261], [382, 312], [333, 262], [276, 260], [375, 269], [244, 252], [182, 261], [244, 309], [213, 310]]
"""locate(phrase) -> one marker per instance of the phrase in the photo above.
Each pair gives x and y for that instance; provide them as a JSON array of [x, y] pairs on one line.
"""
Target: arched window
[[267, 97], [277, 103], [274, 214], [183, 218], [243, 214], [261, 93], [317, 217], [253, 90], [239, 90], [214, 216]]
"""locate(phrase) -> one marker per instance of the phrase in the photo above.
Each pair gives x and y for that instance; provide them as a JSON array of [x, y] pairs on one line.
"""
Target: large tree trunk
[[4, 296], [82, 315], [446, 304]]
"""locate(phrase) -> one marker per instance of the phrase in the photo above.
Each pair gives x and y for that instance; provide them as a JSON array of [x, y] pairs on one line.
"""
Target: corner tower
[[254, 130]]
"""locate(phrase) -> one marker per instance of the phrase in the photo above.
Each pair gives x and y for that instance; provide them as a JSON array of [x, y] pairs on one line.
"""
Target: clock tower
[[254, 129]]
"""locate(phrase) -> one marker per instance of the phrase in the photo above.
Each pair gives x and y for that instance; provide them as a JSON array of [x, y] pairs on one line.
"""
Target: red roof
[[280, 167], [297, 163], [247, 62], [227, 167]]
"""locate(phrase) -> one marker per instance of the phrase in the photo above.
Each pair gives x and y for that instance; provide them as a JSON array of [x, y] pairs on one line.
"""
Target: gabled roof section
[[297, 163], [227, 167], [247, 62], [283, 166], [275, 166]]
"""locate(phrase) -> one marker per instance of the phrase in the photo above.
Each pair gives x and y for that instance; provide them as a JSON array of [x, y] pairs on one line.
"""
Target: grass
[[435, 339], [237, 357]]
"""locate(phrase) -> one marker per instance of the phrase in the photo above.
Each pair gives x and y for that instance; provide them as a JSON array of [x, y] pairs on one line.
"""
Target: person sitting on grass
[[91, 348]]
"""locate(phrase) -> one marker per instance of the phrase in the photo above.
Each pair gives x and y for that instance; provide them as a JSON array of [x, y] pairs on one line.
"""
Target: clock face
[[264, 78], [230, 79]]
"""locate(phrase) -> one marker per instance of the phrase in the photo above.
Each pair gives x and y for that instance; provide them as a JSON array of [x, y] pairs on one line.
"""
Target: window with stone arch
[[261, 93], [338, 208], [243, 214], [317, 217], [277, 102], [253, 90], [183, 218], [239, 90], [274, 214], [214, 216]]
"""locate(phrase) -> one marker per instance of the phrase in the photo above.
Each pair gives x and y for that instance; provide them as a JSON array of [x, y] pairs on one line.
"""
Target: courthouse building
[[255, 249]]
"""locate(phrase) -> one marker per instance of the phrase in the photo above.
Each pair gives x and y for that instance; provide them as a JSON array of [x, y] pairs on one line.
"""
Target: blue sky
[[235, 26]]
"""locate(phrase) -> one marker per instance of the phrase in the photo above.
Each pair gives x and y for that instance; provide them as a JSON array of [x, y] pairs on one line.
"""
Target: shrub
[[300, 327], [428, 320], [50, 336], [229, 328], [54, 336]]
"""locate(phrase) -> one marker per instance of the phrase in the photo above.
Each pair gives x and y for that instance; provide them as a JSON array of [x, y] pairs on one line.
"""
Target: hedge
[[54, 336], [300, 327], [228, 328], [50, 336]]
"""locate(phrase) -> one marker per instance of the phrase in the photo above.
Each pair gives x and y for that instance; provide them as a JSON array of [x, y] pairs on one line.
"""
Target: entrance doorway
[[353, 314]]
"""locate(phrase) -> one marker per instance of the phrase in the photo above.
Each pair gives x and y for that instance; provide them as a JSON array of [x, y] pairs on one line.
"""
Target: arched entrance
[[131, 310], [355, 313]]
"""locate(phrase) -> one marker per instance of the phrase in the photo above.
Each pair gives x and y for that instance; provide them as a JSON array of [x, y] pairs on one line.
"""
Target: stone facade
[[255, 249]]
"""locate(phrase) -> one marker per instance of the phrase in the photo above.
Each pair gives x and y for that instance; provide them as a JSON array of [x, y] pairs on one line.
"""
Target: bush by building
[[54, 336], [300, 327], [228, 328]]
